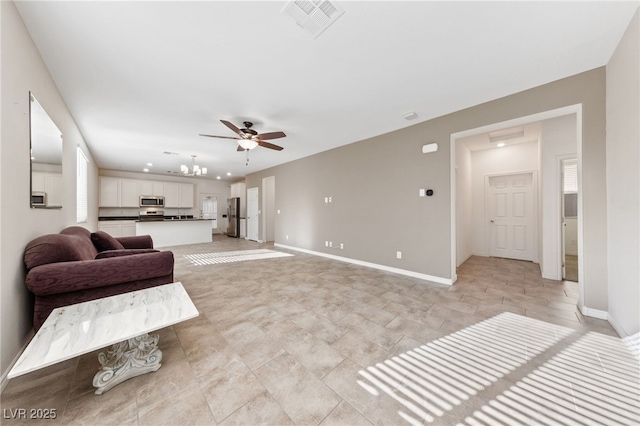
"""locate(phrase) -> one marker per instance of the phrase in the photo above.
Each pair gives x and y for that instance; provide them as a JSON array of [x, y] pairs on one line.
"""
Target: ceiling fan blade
[[271, 135], [240, 148], [221, 137], [269, 145], [232, 127]]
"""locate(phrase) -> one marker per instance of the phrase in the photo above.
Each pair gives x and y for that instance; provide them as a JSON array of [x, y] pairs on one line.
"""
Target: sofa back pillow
[[104, 241]]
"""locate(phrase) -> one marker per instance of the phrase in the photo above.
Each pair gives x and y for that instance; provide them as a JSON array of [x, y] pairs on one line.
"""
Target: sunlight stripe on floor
[[233, 256]]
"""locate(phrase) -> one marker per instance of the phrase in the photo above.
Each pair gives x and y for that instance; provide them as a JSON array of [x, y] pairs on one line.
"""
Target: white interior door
[[253, 214], [511, 214]]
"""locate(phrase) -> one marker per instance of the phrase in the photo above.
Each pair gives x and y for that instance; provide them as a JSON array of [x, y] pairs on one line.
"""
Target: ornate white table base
[[127, 359], [121, 321]]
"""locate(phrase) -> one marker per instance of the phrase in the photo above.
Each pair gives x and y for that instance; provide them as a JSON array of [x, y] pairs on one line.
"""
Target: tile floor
[[308, 340]]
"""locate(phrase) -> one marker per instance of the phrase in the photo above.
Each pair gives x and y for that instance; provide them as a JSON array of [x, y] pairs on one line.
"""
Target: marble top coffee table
[[122, 321]]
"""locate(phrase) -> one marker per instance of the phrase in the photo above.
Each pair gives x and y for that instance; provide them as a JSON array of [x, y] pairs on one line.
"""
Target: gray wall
[[623, 180], [374, 185], [22, 71]]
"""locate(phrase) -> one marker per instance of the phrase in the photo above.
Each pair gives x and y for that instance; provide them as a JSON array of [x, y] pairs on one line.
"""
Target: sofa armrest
[[126, 252], [137, 242], [64, 277]]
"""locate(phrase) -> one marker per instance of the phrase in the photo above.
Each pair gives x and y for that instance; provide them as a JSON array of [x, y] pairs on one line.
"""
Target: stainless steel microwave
[[38, 199], [151, 201]]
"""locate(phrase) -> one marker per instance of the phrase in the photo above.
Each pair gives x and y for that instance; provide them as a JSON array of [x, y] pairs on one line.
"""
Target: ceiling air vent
[[315, 16]]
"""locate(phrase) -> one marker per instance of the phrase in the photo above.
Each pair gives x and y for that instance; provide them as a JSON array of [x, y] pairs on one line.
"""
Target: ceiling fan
[[249, 138]]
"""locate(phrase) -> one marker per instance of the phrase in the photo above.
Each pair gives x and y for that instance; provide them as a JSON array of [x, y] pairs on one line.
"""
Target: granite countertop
[[176, 218]]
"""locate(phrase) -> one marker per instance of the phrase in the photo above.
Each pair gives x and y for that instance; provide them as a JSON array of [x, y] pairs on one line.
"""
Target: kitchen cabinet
[[53, 188], [129, 193], [119, 192], [109, 192], [178, 195], [37, 182], [171, 194], [118, 228], [49, 183], [128, 228], [110, 227], [186, 195], [152, 188]]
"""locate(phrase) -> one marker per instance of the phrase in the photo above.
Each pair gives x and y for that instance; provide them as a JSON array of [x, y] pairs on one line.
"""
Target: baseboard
[[426, 277], [594, 313], [4, 381], [617, 327], [467, 257]]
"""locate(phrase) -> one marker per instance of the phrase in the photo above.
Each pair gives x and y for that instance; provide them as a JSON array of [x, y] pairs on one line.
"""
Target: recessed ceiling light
[[145, 170], [410, 115], [217, 177], [149, 164], [228, 173], [500, 145]]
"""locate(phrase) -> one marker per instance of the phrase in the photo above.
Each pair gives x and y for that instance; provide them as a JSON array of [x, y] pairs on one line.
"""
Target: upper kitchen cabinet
[[116, 192], [178, 195], [109, 192], [151, 188], [119, 192], [186, 195], [129, 193]]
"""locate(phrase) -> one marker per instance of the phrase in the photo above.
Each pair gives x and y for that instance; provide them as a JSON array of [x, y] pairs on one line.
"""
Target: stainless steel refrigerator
[[233, 214]]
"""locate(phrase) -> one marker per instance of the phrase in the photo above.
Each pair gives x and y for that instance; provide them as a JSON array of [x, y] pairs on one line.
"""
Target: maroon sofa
[[77, 266]]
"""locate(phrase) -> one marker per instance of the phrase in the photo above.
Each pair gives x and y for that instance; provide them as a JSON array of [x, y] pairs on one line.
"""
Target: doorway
[[209, 209], [511, 213], [548, 193], [253, 213], [569, 218]]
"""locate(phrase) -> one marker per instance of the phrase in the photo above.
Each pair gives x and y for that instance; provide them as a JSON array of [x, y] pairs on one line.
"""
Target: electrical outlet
[[286, 237], [326, 243], [330, 200], [330, 244], [399, 255], [341, 246]]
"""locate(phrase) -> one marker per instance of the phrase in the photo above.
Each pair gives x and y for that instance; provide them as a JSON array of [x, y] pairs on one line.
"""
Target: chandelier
[[195, 169]]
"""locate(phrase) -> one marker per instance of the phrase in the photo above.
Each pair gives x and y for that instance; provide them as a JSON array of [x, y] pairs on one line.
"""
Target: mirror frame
[[51, 124]]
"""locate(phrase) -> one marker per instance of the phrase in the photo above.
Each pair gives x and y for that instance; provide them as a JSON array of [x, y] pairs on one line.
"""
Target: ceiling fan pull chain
[[247, 163]]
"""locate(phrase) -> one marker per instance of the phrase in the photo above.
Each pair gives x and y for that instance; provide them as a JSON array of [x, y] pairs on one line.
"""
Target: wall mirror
[[46, 158]]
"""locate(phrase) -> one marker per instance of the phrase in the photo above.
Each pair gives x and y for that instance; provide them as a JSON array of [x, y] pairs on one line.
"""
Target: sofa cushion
[[54, 248], [126, 252], [104, 241]]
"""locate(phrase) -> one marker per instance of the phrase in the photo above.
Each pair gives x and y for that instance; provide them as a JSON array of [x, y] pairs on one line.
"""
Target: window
[[81, 186], [570, 176]]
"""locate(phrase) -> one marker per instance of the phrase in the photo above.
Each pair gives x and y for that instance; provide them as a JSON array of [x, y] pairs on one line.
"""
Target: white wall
[[22, 71], [623, 182], [558, 138], [464, 209], [513, 158]]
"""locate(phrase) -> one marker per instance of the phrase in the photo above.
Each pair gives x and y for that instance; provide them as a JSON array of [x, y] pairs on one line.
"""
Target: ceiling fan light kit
[[248, 138]]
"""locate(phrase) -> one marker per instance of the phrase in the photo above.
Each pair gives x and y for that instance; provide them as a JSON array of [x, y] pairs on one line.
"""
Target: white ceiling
[[142, 78]]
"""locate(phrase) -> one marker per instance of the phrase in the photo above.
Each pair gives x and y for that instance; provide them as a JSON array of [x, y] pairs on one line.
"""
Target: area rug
[[233, 256]]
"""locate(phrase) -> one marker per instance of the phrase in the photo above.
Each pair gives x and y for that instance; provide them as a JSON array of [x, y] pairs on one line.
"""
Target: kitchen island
[[176, 232]]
